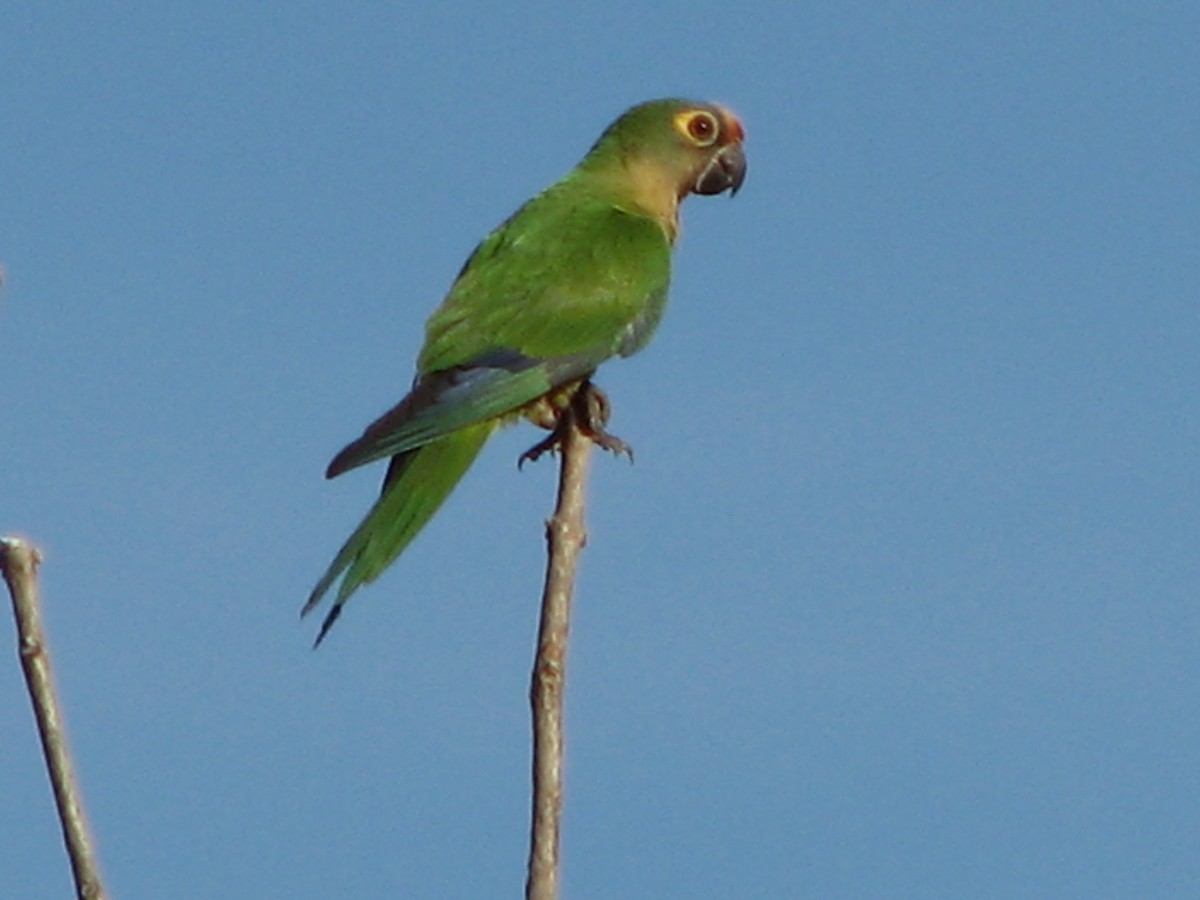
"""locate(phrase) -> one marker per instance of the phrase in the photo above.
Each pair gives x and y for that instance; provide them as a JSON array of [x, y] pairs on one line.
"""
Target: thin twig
[[18, 564], [565, 537]]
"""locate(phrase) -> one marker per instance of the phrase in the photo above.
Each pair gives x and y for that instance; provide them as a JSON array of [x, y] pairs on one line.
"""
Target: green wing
[[562, 286], [569, 273]]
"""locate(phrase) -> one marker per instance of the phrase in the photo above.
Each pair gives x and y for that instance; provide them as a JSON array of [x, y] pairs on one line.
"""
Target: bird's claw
[[548, 444], [589, 411], [593, 414]]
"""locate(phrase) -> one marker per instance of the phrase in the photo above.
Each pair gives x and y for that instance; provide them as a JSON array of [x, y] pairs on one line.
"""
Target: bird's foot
[[548, 444], [593, 414], [588, 410]]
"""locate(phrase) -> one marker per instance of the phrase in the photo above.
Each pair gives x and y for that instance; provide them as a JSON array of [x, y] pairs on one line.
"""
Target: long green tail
[[416, 486]]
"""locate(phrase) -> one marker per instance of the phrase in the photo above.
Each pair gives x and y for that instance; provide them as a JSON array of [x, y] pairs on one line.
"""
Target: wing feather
[[567, 282]]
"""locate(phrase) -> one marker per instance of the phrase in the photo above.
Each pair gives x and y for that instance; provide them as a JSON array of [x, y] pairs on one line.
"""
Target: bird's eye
[[701, 127]]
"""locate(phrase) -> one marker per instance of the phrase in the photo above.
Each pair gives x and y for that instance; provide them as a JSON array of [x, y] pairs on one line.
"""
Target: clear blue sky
[[899, 599]]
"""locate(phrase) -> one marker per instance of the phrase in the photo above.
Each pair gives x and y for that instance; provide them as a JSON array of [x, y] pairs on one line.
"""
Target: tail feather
[[417, 484]]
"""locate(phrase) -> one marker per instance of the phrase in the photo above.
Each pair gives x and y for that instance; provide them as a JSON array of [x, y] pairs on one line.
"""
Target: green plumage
[[577, 275]]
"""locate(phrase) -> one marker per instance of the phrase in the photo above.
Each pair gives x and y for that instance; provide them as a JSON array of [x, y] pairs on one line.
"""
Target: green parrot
[[577, 275]]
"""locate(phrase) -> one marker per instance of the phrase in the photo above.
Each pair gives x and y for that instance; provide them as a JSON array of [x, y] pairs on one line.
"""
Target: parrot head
[[667, 149], [724, 168]]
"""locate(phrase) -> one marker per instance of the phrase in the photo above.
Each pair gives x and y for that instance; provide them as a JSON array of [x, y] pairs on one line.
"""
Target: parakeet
[[577, 275]]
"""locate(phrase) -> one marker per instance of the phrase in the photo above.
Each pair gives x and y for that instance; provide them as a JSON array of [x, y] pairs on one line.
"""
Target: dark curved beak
[[725, 172]]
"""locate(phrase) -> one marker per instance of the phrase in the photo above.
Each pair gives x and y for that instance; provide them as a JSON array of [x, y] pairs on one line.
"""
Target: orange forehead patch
[[733, 125]]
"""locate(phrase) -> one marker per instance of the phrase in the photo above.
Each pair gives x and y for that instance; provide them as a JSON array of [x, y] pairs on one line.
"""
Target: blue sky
[[900, 597]]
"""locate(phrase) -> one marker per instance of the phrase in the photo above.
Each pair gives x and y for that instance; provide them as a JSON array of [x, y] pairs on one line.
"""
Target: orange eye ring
[[699, 126]]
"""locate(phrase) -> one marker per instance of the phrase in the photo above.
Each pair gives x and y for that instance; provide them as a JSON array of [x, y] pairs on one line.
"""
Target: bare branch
[[18, 564], [565, 537]]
